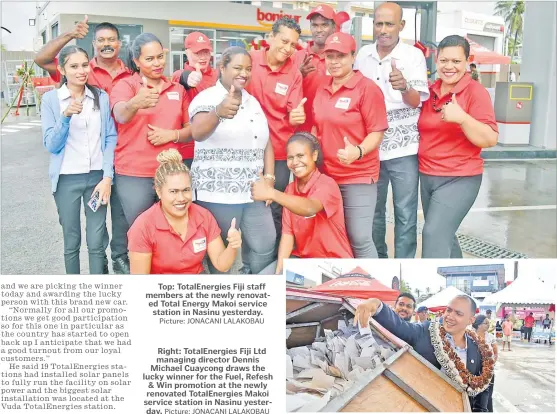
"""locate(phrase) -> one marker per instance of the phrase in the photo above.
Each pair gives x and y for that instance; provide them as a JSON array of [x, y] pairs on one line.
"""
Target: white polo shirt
[[225, 164], [402, 137]]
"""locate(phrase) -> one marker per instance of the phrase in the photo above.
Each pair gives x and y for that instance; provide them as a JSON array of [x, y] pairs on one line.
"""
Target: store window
[[227, 39]]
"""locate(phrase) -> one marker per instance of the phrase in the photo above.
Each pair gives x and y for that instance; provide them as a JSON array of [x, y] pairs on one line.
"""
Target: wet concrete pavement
[[515, 208], [525, 379]]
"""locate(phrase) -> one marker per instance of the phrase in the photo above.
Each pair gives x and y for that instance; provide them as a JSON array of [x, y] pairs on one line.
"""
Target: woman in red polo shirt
[[313, 216], [174, 235], [350, 120], [151, 115], [455, 124]]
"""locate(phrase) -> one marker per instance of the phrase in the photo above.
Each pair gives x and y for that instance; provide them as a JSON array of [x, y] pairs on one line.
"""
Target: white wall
[[15, 17], [538, 66]]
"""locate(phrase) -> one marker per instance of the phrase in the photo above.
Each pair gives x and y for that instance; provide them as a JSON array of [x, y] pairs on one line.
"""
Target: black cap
[[422, 309]]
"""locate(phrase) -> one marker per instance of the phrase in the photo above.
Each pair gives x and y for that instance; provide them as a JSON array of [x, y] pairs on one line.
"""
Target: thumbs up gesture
[[349, 153], [230, 105], [261, 190], [396, 78], [298, 114], [147, 96], [452, 112], [234, 236], [75, 107], [81, 29], [194, 78]]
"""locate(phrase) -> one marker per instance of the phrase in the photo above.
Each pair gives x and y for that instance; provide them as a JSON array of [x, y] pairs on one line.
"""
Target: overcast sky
[[16, 15], [423, 273]]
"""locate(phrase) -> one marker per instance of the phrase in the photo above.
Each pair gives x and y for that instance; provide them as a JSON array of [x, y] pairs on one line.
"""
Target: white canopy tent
[[524, 291], [441, 299]]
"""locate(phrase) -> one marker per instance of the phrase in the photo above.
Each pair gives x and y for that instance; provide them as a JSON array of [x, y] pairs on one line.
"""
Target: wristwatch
[[407, 89]]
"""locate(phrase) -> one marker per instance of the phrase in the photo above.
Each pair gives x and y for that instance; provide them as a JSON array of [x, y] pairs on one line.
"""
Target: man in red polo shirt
[[106, 70], [197, 74], [276, 83], [528, 325], [311, 61]]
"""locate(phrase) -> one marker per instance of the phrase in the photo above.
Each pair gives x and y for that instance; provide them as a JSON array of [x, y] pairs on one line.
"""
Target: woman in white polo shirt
[[231, 148]]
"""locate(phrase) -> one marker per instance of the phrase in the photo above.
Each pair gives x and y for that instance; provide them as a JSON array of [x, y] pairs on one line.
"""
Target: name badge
[[173, 96], [199, 245], [343, 103], [281, 89]]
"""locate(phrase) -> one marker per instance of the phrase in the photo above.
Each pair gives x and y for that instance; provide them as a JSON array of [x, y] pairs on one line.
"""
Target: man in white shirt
[[401, 73]]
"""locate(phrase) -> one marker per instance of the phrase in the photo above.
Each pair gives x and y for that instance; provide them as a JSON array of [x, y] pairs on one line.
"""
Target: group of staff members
[[322, 114]]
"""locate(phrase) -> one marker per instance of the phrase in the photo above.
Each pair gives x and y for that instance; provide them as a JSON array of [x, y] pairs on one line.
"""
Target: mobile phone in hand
[[95, 202]]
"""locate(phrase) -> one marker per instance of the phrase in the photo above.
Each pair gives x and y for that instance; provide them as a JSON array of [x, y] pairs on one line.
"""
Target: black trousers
[[527, 333]]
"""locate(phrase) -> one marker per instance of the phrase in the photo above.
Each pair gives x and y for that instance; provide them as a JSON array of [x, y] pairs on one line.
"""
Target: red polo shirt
[[151, 233], [311, 82], [100, 77], [444, 149], [135, 156], [278, 93], [210, 77], [322, 235], [529, 321], [354, 111]]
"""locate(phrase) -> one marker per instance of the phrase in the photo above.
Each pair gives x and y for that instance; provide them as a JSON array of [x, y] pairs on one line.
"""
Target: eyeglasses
[[102, 40]]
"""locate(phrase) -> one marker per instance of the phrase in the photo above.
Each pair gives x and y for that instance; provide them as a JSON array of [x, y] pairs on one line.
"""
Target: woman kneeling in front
[[313, 216], [173, 235]]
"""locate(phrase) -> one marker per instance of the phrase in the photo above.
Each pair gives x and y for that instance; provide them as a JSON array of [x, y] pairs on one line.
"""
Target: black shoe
[[121, 265], [105, 267]]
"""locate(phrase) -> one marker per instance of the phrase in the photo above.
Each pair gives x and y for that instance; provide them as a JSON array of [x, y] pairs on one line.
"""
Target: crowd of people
[[343, 123]]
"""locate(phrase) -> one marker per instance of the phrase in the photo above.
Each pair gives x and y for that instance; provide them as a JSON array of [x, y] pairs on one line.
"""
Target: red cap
[[340, 42], [197, 41], [326, 11]]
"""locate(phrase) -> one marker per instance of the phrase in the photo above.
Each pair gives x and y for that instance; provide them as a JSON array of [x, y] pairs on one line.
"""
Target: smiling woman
[[80, 134], [232, 147], [174, 235], [455, 124], [151, 114], [312, 217]]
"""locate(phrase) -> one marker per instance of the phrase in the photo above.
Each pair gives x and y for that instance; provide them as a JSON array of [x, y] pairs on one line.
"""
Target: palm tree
[[512, 12], [405, 287]]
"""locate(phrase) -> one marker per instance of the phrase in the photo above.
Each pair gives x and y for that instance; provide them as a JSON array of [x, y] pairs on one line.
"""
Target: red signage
[[267, 19]]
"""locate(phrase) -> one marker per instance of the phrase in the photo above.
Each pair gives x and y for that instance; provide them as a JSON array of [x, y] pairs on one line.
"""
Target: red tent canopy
[[483, 56], [358, 287], [358, 284]]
